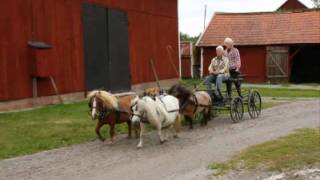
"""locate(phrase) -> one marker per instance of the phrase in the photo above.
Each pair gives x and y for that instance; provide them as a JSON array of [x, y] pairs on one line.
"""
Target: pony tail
[[177, 123]]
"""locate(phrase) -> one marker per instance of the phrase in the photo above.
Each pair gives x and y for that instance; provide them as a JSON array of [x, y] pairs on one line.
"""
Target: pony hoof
[[163, 141], [102, 140], [110, 142], [139, 147], [176, 136]]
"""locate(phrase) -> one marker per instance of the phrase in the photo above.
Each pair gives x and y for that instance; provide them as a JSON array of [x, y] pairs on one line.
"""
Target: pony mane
[[108, 99], [180, 92]]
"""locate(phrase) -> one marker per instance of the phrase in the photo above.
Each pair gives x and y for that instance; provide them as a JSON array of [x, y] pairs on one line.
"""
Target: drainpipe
[[201, 63]]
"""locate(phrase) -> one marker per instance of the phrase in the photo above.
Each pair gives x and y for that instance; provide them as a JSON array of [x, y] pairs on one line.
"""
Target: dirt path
[[184, 158]]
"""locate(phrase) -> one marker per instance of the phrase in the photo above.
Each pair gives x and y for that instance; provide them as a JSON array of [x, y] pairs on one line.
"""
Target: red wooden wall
[[252, 62], [153, 25], [186, 67]]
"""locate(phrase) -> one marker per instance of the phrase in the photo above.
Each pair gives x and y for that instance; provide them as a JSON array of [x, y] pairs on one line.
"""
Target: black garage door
[[106, 48]]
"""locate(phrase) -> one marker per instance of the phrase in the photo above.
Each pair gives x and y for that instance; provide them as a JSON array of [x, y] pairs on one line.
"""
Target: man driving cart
[[218, 72]]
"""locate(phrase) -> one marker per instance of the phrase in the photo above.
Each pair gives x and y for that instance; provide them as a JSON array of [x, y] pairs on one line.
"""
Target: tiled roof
[[263, 28]]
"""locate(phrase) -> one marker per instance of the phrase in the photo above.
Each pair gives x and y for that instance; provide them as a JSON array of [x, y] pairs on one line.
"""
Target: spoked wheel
[[254, 104], [236, 109]]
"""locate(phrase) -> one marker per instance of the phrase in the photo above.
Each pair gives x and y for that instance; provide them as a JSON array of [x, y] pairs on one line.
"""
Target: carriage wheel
[[236, 109], [254, 104]]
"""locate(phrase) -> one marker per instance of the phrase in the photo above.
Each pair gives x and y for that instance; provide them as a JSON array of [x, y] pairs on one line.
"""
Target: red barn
[[275, 47], [71, 46]]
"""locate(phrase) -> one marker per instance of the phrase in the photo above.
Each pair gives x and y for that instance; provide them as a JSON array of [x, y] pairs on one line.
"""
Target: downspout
[[191, 58], [201, 63], [179, 41]]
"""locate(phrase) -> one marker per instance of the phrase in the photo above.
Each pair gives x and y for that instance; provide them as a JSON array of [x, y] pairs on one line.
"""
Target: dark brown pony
[[110, 110], [192, 103]]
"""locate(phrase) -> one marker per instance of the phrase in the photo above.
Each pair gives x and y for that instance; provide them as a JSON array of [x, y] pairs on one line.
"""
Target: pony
[[192, 103], [161, 113], [111, 110], [152, 92]]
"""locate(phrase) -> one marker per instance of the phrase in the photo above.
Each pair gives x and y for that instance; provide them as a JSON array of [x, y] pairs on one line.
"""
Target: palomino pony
[[192, 103], [163, 112], [111, 110]]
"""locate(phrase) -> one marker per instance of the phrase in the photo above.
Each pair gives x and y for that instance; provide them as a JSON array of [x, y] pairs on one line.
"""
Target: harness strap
[[165, 107], [195, 103]]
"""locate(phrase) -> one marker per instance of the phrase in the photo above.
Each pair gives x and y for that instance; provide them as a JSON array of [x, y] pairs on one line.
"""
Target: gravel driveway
[[184, 158]]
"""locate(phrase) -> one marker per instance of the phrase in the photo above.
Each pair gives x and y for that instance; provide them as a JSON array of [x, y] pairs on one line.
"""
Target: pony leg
[[176, 126], [207, 115], [160, 135], [137, 131], [140, 144], [111, 133], [203, 120], [189, 119], [98, 127], [129, 129]]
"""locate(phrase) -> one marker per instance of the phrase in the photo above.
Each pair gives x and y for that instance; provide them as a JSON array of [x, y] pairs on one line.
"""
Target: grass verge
[[297, 150], [27, 132], [265, 92]]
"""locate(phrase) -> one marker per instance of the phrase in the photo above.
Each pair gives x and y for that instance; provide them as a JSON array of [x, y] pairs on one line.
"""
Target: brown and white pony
[[192, 103], [111, 110]]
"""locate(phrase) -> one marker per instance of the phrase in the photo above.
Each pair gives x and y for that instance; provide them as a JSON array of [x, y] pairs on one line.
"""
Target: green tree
[[187, 37], [316, 3]]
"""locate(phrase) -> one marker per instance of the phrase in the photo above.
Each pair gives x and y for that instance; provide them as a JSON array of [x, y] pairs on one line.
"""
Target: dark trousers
[[234, 74]]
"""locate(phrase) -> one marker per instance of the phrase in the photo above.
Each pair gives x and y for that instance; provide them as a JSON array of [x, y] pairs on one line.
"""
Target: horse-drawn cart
[[236, 104]]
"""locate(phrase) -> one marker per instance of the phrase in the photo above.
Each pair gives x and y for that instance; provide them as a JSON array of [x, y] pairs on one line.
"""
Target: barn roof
[[292, 4], [263, 28]]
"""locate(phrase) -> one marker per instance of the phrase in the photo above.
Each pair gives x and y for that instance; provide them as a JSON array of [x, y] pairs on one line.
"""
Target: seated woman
[[233, 55], [218, 72]]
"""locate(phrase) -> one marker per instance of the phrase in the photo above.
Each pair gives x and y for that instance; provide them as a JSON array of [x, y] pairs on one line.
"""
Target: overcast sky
[[191, 12]]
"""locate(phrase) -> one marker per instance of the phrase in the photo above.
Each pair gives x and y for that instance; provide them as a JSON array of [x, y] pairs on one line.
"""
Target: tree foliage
[[316, 3], [187, 37]]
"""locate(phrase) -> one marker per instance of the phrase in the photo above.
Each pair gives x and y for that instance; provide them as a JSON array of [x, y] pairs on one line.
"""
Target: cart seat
[[235, 79]]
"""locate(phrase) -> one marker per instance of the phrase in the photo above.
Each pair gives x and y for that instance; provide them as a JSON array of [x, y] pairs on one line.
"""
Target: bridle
[[100, 114], [142, 116]]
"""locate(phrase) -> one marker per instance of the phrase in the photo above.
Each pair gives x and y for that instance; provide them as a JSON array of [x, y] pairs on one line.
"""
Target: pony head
[[138, 110], [101, 101]]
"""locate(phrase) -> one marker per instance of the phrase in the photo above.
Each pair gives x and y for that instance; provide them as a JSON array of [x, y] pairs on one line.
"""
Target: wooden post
[[55, 88], [155, 73]]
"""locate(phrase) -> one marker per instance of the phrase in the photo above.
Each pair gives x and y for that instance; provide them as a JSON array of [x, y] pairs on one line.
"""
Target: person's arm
[[210, 69], [238, 60]]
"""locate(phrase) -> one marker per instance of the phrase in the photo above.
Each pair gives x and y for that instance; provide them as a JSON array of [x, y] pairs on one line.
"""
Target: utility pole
[[205, 16]]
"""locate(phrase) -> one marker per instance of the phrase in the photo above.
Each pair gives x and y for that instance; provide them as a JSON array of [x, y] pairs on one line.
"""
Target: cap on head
[[228, 41]]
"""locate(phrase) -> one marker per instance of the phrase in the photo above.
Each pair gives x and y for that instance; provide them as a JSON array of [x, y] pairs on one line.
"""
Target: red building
[[92, 44], [187, 61], [275, 47]]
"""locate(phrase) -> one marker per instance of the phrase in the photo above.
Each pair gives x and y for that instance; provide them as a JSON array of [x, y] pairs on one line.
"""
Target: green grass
[[292, 93], [297, 150], [46, 128], [265, 92], [304, 84]]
